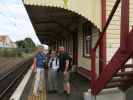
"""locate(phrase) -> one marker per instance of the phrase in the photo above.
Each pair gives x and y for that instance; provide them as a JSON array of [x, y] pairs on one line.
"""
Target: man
[[38, 66], [64, 69]]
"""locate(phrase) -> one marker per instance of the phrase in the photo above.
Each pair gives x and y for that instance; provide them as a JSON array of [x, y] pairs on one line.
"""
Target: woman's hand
[[65, 72]]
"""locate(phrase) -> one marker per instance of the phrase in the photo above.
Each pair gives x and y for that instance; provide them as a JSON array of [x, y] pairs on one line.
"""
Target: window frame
[[87, 32], [86, 52]]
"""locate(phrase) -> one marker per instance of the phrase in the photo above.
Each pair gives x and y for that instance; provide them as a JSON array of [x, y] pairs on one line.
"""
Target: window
[[86, 45], [86, 39]]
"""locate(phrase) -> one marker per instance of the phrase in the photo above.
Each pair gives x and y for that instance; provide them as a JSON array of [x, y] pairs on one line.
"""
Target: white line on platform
[[18, 92]]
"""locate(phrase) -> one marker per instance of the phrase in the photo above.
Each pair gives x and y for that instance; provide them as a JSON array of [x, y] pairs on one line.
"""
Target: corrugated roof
[[87, 8]]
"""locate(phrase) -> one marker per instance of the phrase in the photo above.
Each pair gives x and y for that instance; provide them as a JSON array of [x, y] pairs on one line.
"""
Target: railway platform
[[78, 84], [29, 89]]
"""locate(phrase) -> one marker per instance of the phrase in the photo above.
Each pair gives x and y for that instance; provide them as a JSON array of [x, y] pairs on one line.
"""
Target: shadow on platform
[[79, 85]]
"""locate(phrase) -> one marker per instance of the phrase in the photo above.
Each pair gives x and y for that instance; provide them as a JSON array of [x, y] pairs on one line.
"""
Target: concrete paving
[[79, 86], [129, 94]]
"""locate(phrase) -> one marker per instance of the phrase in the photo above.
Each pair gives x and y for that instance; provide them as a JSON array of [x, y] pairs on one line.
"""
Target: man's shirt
[[40, 60], [54, 63], [62, 61]]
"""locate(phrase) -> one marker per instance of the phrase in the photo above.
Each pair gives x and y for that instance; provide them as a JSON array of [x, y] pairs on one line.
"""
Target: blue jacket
[[40, 60]]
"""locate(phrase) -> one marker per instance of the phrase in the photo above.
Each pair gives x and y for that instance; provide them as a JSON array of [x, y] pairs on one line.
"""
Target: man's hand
[[34, 65], [33, 68]]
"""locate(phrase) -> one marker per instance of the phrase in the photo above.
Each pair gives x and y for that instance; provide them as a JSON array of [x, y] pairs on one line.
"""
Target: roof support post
[[102, 47], [124, 23]]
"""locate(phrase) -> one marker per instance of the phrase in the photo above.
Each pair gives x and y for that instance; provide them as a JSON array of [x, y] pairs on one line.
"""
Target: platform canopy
[[90, 9], [58, 19]]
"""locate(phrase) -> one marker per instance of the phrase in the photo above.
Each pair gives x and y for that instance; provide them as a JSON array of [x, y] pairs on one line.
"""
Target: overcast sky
[[14, 21]]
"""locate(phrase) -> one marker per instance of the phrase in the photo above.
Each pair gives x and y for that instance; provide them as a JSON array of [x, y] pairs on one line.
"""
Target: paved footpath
[[28, 92], [79, 86]]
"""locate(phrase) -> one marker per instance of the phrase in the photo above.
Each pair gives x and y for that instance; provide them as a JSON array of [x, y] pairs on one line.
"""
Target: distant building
[[6, 42]]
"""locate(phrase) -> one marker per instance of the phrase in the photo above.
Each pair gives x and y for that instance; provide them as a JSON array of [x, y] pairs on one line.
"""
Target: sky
[[15, 22]]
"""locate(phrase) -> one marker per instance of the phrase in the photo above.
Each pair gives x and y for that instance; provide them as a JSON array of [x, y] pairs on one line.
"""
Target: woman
[[53, 71]]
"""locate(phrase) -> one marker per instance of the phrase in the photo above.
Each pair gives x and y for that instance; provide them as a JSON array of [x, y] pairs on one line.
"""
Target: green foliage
[[10, 53], [27, 43], [20, 44], [15, 52], [24, 46]]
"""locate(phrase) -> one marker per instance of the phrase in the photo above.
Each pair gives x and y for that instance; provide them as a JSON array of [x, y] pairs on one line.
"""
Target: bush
[[5, 53], [18, 53], [15, 52], [10, 53]]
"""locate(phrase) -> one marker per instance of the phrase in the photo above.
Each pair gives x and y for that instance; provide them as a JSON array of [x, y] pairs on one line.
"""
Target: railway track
[[10, 81]]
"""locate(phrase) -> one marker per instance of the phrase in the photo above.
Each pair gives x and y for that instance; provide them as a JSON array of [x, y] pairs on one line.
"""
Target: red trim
[[117, 61], [75, 48], [84, 72], [107, 24], [124, 23], [102, 41], [93, 64], [102, 51]]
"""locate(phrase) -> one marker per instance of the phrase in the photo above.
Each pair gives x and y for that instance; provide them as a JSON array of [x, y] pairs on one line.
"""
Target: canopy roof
[[90, 9], [52, 23]]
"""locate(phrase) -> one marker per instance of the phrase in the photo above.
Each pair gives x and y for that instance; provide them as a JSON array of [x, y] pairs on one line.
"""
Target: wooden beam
[[59, 34], [124, 23], [65, 28], [102, 50], [46, 39], [55, 37], [61, 18], [116, 63]]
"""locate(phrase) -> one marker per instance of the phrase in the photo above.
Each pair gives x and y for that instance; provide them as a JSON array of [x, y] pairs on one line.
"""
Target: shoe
[[68, 94], [62, 92], [55, 91], [50, 91]]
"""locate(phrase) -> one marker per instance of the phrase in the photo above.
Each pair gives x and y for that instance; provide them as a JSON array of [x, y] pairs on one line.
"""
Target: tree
[[29, 43], [20, 44], [26, 43]]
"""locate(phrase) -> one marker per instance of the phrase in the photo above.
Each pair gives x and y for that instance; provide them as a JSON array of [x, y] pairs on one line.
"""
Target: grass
[[15, 52]]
